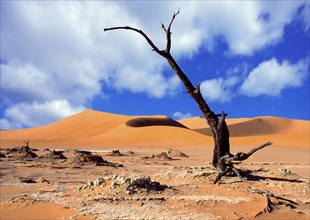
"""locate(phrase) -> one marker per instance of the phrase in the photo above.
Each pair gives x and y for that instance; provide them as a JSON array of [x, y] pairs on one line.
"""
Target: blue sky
[[251, 58]]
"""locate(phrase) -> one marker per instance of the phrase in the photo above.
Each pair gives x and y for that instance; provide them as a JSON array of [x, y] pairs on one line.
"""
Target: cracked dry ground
[[179, 187]]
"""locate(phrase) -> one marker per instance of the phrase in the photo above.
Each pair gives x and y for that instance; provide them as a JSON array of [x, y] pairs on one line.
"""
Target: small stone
[[90, 183], [98, 182]]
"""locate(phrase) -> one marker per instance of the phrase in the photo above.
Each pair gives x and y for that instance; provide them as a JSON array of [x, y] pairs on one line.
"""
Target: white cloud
[[305, 16], [180, 115], [271, 77], [59, 51], [247, 27], [25, 82], [218, 89], [35, 114], [152, 82]]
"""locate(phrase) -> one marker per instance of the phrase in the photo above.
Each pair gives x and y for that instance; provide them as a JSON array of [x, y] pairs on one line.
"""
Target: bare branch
[[163, 27], [168, 32], [258, 148], [240, 156], [27, 142], [150, 42]]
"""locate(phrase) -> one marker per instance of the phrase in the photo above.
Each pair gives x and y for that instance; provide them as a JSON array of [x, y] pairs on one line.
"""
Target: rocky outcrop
[[20, 153], [129, 183]]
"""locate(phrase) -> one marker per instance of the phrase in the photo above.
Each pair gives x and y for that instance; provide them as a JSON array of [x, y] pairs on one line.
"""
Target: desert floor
[[97, 165], [51, 187]]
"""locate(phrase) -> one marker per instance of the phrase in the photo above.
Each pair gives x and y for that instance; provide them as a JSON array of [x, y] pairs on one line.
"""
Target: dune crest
[[94, 128], [263, 125]]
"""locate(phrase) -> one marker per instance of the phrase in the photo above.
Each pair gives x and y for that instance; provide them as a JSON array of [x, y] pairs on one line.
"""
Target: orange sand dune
[[85, 124], [281, 131], [98, 129], [264, 125], [92, 128]]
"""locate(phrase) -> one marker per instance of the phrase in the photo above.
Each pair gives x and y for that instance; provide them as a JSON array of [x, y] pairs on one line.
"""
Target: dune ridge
[[263, 125], [99, 129]]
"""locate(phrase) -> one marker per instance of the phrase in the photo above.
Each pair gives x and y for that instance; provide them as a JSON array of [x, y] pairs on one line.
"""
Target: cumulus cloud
[[154, 84], [219, 89], [179, 115], [271, 77], [305, 16], [35, 114], [58, 50], [247, 27]]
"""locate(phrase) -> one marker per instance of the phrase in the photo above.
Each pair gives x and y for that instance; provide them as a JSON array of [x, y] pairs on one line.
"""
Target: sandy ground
[[58, 188], [135, 170]]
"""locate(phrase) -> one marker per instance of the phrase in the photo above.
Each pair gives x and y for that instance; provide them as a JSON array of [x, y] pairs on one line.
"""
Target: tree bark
[[218, 126]]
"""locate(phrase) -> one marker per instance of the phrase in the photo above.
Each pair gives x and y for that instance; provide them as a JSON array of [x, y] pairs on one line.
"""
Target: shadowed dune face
[[249, 127], [252, 127], [153, 121]]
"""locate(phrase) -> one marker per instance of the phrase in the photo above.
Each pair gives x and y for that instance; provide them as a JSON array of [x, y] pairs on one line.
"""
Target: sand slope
[[93, 128], [281, 131]]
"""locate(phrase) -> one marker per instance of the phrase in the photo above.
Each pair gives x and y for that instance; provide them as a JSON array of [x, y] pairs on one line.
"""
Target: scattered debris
[[54, 155], [184, 173], [129, 152], [115, 153], [82, 159], [129, 183], [161, 156], [282, 172], [20, 153], [43, 180], [82, 152], [176, 153], [272, 201]]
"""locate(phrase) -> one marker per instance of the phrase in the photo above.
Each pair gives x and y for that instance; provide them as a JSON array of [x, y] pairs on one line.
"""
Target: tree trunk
[[221, 153], [218, 127]]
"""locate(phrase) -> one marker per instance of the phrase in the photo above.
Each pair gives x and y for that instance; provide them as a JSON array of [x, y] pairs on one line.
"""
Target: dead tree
[[218, 126], [27, 143]]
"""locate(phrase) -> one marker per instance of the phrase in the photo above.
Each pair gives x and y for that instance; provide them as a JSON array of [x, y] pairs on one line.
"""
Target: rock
[[82, 152], [54, 155], [134, 182], [176, 153], [115, 153], [26, 180], [90, 183], [20, 153], [82, 159], [283, 172], [161, 156], [129, 152], [128, 184], [99, 182], [43, 180]]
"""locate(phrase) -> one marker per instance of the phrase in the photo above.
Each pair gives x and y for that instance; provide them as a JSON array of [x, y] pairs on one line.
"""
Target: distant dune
[[244, 131], [98, 129], [264, 125]]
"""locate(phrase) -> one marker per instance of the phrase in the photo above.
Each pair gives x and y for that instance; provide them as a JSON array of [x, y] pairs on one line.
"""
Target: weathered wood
[[27, 142], [227, 162], [218, 127], [240, 156]]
